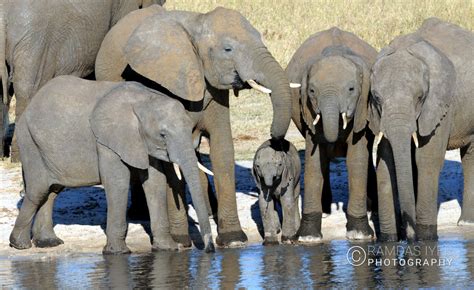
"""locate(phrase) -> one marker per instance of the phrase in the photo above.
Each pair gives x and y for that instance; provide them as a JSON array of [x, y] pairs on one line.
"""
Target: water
[[254, 267]]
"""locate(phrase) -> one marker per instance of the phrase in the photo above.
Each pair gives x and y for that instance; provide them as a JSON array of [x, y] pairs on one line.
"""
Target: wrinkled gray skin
[[41, 39], [276, 170], [422, 83], [199, 58], [81, 133], [332, 67]]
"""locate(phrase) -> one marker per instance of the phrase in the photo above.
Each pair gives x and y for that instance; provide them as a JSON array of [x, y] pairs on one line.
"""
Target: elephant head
[[334, 84], [151, 124], [185, 52], [412, 88], [271, 166]]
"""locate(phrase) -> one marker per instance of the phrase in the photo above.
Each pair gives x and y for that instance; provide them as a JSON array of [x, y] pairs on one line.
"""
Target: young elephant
[[80, 133], [422, 88], [276, 170], [331, 70]]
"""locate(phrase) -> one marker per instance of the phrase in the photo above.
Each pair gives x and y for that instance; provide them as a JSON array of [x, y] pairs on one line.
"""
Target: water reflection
[[444, 263]]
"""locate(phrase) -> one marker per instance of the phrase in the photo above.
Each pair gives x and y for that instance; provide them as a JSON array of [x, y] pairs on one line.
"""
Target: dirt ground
[[80, 213]]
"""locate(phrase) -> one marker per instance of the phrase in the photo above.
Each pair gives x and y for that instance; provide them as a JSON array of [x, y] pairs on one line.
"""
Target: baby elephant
[[276, 169], [80, 133]]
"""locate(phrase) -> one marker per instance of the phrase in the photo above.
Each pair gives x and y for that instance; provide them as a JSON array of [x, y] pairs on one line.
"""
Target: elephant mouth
[[238, 83]]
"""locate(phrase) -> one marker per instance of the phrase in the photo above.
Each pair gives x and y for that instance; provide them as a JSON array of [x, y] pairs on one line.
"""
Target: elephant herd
[[162, 81]]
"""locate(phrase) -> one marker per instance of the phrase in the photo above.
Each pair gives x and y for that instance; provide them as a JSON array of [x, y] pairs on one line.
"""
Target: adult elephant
[[331, 70], [198, 58], [41, 39], [422, 90]]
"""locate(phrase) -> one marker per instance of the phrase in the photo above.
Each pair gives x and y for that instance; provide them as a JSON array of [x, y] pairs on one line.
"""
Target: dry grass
[[286, 24]]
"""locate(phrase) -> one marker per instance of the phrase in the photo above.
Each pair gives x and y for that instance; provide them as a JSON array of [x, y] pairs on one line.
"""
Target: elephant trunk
[[3, 67], [330, 116], [400, 140], [273, 77], [185, 157]]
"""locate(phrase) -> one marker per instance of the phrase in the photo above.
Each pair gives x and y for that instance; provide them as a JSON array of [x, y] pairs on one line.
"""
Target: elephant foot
[[358, 228], [47, 242], [164, 244], [289, 239], [116, 248], [271, 241], [20, 242], [237, 239], [466, 219], [463, 222], [385, 237], [426, 232], [184, 241], [310, 228]]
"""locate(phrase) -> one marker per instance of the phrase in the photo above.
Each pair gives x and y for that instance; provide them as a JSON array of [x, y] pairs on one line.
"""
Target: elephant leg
[[289, 202], [43, 230], [177, 209], [155, 193], [429, 162], [27, 79], [115, 177], [467, 213], [357, 221], [270, 220], [217, 123], [386, 187], [315, 160]]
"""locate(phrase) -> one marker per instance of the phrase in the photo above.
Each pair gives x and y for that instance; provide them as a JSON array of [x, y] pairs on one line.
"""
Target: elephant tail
[[3, 66]]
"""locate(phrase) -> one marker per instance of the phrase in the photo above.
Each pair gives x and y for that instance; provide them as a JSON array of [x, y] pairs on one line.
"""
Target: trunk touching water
[[185, 157], [330, 116], [275, 79], [401, 147]]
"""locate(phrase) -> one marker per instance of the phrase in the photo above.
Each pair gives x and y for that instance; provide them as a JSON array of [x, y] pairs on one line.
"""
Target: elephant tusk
[[316, 120], [375, 148], [344, 120], [295, 85], [177, 171], [203, 168], [258, 87], [415, 139]]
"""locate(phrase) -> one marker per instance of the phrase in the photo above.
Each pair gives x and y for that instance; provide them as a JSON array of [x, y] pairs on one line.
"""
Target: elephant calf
[[329, 76], [276, 169], [80, 133]]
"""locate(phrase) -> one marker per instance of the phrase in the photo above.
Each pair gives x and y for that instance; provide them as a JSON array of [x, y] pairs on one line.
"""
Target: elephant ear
[[161, 50], [305, 103], [361, 112], [373, 116], [441, 84], [116, 126]]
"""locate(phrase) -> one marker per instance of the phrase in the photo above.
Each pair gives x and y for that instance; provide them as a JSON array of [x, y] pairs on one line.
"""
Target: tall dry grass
[[286, 24]]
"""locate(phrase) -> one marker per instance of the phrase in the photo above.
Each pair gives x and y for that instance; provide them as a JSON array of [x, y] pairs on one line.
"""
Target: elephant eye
[[351, 89], [228, 49], [311, 91]]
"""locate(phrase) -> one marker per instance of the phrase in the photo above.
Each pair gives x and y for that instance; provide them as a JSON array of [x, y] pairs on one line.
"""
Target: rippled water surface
[[449, 262]]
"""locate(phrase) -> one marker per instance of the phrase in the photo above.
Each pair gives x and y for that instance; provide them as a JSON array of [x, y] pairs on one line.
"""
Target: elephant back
[[110, 62]]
